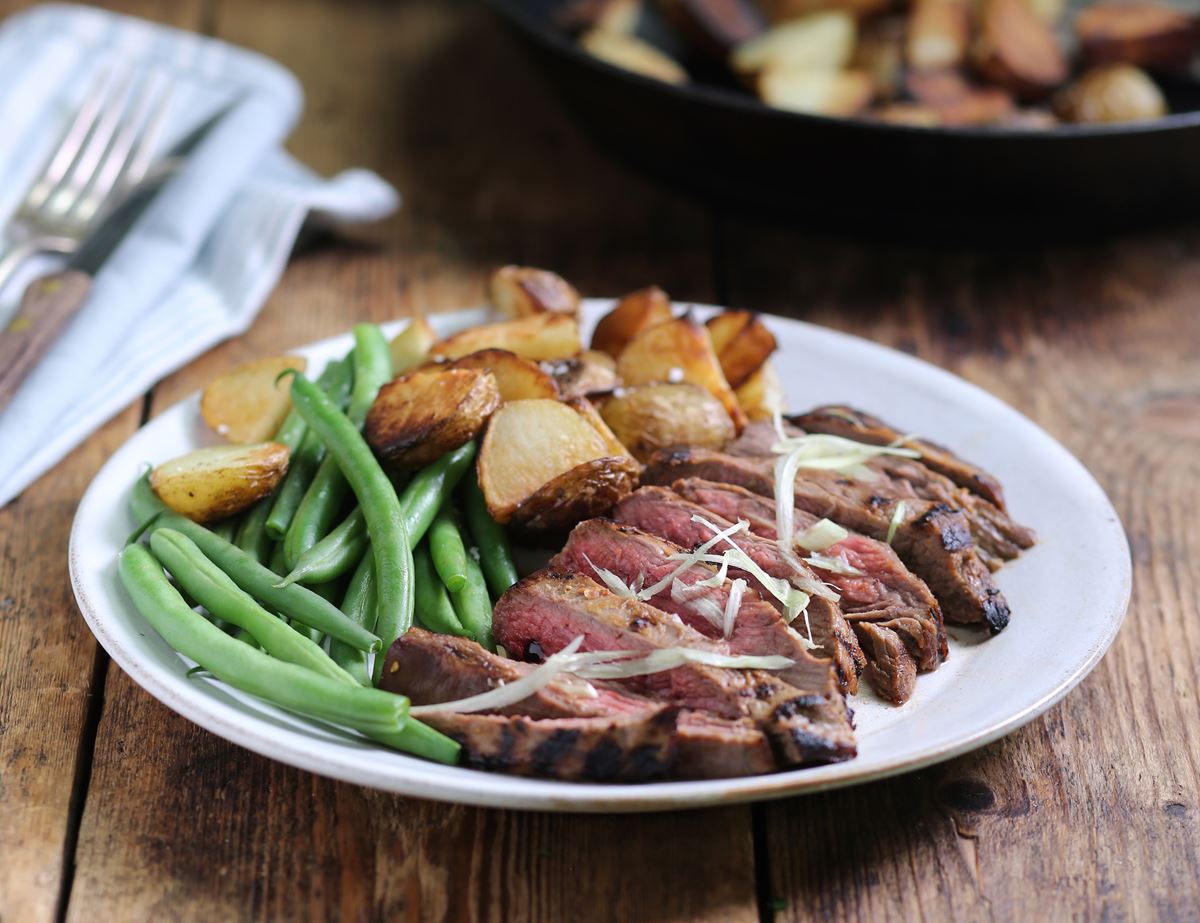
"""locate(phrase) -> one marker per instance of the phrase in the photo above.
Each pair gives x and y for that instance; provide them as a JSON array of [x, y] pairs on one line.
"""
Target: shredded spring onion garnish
[[695, 599], [732, 604], [820, 535], [897, 518], [612, 581], [600, 665], [688, 558], [833, 564], [844, 414]]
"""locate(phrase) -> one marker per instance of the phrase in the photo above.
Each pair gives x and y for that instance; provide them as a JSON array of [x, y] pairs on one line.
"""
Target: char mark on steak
[[660, 512], [933, 539], [551, 610]]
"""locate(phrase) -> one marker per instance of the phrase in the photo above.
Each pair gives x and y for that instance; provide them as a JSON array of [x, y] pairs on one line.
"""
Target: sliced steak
[[840, 420], [708, 747], [885, 591], [890, 666], [549, 610], [626, 748], [933, 539], [643, 560], [667, 515]]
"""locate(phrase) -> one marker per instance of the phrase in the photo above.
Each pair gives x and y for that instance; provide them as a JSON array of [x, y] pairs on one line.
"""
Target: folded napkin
[[199, 262]]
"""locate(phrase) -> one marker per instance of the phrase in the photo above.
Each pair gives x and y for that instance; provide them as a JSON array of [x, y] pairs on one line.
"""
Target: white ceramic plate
[[1068, 597]]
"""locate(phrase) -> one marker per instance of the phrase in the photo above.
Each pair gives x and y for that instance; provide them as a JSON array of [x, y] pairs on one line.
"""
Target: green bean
[[336, 381], [333, 555], [212, 587], [252, 535], [473, 605], [295, 601], [287, 685], [495, 556], [330, 488], [359, 606], [428, 490], [277, 564], [226, 528], [447, 549], [380, 506], [433, 607], [422, 740]]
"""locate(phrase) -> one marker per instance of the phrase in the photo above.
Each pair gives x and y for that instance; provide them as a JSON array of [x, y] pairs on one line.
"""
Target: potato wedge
[[938, 34], [1116, 93], [634, 313], [646, 418], [714, 27], [213, 483], [539, 336], [787, 10], [820, 41], [677, 351], [833, 93], [630, 53], [419, 417], [879, 52], [1146, 34], [958, 102], [591, 372], [527, 445], [518, 379], [742, 343], [587, 490], [519, 291], [247, 404], [609, 15], [912, 114], [588, 411], [1017, 50], [761, 397], [410, 347]]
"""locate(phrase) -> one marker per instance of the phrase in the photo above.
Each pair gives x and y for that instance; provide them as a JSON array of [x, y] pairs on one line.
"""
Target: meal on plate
[[923, 63], [705, 577]]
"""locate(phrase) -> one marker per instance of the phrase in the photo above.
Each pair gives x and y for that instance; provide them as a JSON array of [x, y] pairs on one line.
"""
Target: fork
[[103, 155]]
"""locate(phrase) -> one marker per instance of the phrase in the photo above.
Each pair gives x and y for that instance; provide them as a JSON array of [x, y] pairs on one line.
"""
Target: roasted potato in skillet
[[1149, 35], [419, 417], [637, 311], [1117, 93], [631, 53], [818, 42], [247, 404], [539, 336], [519, 291], [590, 489], [762, 394], [650, 417], [1017, 50], [591, 372], [518, 379], [742, 343], [410, 347], [212, 483]]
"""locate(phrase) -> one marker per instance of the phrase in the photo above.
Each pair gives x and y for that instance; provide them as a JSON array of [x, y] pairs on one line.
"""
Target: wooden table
[[114, 808]]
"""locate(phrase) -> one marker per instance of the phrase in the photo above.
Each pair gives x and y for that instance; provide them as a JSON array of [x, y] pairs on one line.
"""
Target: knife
[[51, 301]]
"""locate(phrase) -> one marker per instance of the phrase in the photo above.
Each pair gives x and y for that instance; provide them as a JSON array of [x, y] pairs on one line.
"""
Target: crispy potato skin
[[762, 394], [742, 343], [587, 490], [1017, 50], [410, 347], [1116, 93], [519, 291], [212, 483], [591, 372], [418, 418], [518, 379], [247, 404], [637, 311], [679, 350], [536, 337], [646, 418], [1144, 34]]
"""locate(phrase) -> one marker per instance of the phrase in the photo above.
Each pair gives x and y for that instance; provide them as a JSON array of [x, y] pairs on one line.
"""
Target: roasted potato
[[527, 445], [588, 411], [419, 417], [591, 372], [1048, 11], [1116, 93], [715, 27], [247, 404], [833, 93], [539, 336], [912, 114], [817, 42], [216, 482], [679, 350], [609, 15], [630, 53], [637, 311], [1017, 50], [589, 489], [880, 53], [761, 397], [410, 347], [956, 101], [646, 418], [519, 291], [786, 10], [938, 34], [1146, 34], [518, 379], [742, 343]]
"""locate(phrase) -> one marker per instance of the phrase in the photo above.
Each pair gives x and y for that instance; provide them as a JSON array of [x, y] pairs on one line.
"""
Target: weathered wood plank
[[1092, 812]]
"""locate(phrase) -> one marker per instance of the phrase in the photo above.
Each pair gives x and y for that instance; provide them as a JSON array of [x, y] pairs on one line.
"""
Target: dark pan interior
[[722, 145]]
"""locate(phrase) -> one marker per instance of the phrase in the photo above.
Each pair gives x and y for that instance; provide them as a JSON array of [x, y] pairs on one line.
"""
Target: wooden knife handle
[[47, 305]]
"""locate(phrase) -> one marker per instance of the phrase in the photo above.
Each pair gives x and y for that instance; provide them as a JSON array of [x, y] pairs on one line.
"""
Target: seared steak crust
[[890, 666]]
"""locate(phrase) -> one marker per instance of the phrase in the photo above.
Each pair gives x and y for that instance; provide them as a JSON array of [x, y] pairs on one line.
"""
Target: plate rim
[[413, 777]]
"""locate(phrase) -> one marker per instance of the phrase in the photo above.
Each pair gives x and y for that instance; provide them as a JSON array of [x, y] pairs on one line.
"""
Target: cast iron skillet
[[816, 171]]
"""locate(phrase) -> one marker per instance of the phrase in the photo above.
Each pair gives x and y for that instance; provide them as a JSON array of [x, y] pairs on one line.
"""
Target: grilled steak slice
[[642, 559], [667, 515], [550, 610], [626, 748], [839, 420], [431, 668], [933, 539], [890, 666], [886, 591]]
